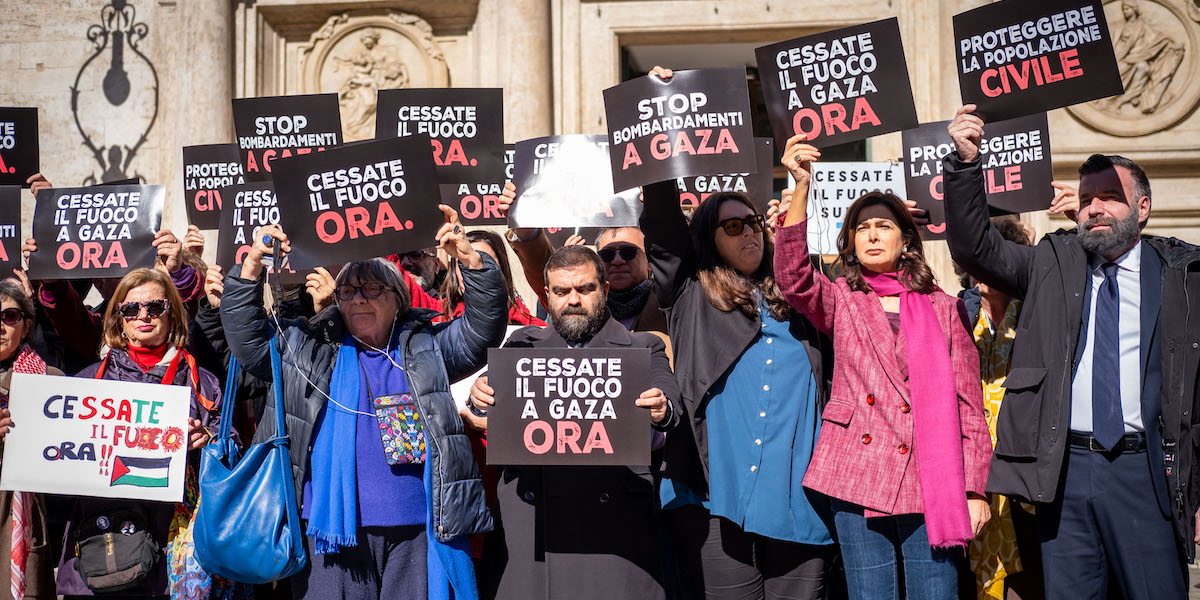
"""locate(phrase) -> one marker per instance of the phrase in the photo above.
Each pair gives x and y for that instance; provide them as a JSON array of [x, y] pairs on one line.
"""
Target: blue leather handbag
[[247, 524]]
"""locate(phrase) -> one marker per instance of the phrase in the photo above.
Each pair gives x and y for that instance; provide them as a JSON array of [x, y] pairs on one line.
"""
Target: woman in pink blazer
[[904, 450]]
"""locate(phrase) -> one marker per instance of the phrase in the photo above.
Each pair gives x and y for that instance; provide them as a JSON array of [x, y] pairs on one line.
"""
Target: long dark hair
[[452, 292], [725, 288], [915, 273]]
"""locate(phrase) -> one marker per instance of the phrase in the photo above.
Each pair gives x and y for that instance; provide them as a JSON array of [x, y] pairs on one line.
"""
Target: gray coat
[[434, 356]]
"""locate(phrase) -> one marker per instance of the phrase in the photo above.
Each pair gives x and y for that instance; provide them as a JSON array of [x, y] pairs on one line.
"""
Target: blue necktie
[[1108, 424]]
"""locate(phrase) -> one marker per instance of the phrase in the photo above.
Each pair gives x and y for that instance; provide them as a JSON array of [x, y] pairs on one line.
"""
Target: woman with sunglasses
[[752, 374], [145, 336], [23, 514], [388, 509], [904, 450]]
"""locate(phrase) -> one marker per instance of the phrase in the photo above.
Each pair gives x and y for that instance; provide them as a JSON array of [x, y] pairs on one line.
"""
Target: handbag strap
[[230, 397], [277, 385]]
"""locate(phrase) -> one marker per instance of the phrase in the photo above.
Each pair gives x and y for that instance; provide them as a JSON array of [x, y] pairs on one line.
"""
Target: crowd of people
[[843, 431]]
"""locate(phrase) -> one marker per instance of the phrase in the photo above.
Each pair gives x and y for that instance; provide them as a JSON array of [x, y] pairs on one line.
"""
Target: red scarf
[[27, 361], [147, 358]]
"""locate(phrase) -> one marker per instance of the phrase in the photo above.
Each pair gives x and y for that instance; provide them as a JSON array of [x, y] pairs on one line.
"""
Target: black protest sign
[[465, 128], [361, 201], [696, 123], [272, 128], [1022, 58], [101, 231], [10, 229], [757, 185], [564, 181], [208, 171], [479, 203], [568, 407], [1015, 156], [250, 207], [18, 145], [839, 86], [559, 235]]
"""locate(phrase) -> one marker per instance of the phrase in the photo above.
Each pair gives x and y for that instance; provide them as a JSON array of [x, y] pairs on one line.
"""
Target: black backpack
[[115, 550]]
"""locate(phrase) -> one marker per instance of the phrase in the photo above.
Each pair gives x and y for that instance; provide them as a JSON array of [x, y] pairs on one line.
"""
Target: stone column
[[525, 31]]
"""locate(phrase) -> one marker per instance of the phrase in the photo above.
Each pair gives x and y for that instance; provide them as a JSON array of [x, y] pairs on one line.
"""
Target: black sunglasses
[[370, 290], [12, 316], [735, 226], [133, 310], [627, 252]]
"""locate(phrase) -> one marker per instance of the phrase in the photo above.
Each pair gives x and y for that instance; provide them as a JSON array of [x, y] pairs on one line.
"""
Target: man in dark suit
[[583, 532], [1096, 424]]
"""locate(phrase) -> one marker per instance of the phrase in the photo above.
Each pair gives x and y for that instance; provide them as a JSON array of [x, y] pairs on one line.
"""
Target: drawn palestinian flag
[[140, 472]]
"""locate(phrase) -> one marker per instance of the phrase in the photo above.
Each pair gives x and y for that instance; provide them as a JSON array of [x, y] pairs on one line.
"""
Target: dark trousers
[[1106, 525], [744, 566], [388, 562]]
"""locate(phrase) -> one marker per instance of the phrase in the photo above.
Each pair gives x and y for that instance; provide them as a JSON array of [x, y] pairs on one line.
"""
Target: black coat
[[1052, 278], [706, 340], [583, 532]]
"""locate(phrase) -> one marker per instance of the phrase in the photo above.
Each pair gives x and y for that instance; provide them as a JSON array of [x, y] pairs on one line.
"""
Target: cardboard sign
[[208, 171], [97, 437], [1016, 162], [564, 181], [10, 229], [1022, 58], [19, 153], [478, 204], [835, 186], [101, 231], [696, 123], [568, 406], [361, 201], [839, 86], [465, 127], [278, 127], [758, 185]]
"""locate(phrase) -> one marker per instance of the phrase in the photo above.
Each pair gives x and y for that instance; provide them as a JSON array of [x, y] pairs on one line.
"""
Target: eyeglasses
[[416, 255], [12, 316], [735, 226], [609, 253], [370, 290], [133, 310]]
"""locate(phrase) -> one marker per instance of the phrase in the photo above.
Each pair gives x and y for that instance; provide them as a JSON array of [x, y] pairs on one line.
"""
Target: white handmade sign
[[96, 437], [835, 186]]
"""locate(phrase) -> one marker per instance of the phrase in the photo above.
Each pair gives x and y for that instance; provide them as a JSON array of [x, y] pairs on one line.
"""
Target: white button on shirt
[[1129, 341]]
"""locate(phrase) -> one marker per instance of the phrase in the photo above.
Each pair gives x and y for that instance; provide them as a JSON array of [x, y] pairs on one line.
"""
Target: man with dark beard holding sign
[[584, 532], [1096, 426]]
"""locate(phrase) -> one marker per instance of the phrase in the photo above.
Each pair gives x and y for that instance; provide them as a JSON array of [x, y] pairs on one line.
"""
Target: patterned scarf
[[27, 361], [627, 303]]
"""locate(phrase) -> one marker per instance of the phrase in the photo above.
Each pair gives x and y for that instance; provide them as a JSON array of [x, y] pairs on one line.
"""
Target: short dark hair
[[569, 257], [1097, 163], [613, 231]]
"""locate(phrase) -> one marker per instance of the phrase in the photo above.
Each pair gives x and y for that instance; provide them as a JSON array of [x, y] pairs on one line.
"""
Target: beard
[[577, 325], [1121, 235]]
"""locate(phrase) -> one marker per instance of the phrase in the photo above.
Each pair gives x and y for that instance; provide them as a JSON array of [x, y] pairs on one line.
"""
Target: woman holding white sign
[[29, 566]]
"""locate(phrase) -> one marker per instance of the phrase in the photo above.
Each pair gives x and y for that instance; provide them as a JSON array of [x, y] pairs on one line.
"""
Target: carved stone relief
[[355, 56], [1155, 45]]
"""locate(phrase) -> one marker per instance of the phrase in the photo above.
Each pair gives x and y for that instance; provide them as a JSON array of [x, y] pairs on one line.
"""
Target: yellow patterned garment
[[994, 552]]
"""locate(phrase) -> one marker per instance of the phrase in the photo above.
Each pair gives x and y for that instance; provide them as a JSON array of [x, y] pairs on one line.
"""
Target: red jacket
[[866, 453]]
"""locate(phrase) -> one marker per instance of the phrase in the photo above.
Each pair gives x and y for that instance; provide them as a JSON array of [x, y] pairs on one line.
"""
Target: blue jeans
[[874, 549]]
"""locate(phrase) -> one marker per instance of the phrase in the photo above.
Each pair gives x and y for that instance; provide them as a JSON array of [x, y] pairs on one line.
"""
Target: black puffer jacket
[[434, 356]]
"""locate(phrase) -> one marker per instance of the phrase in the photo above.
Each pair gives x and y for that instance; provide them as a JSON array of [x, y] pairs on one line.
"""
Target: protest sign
[[101, 231], [838, 86], [252, 206], [208, 171], [270, 128], [361, 201], [465, 128], [568, 406], [478, 203], [1023, 58], [559, 235], [695, 123], [835, 186], [564, 181], [10, 229], [757, 185], [1016, 167], [18, 145], [96, 437]]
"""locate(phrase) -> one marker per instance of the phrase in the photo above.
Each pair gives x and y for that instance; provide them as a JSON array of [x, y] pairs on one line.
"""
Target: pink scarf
[[935, 413], [27, 361]]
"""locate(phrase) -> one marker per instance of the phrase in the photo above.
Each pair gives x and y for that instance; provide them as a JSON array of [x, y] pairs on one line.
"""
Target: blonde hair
[[114, 335]]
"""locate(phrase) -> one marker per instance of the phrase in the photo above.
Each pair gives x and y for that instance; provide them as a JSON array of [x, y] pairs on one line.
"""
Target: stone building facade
[[123, 84]]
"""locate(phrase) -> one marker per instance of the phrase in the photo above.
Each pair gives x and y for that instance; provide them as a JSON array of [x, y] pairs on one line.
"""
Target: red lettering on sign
[[832, 119], [70, 256], [1032, 72]]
